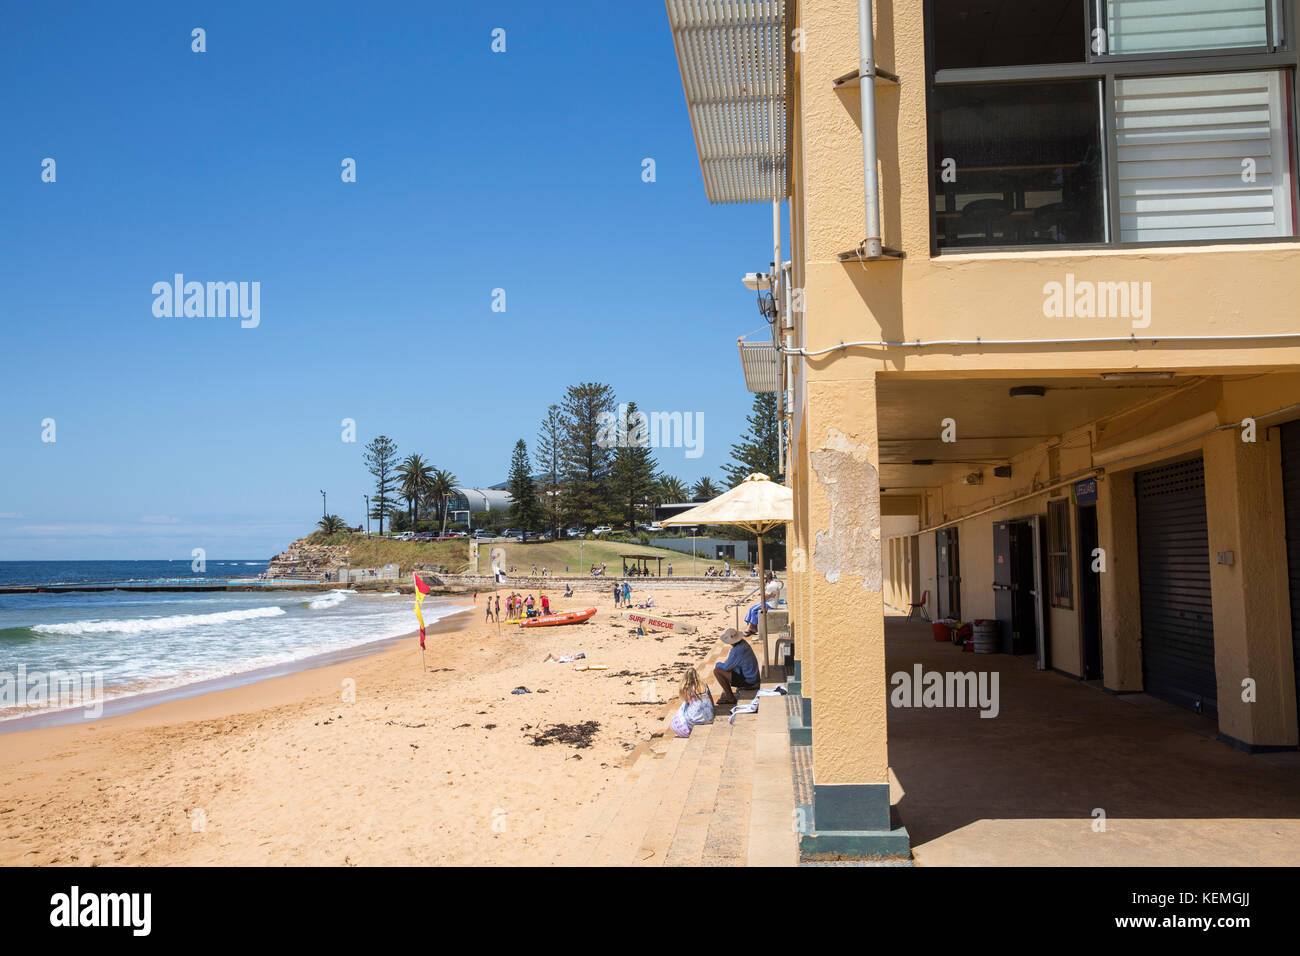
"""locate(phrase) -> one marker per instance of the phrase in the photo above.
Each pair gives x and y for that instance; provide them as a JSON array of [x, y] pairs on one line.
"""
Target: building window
[[1165, 26], [1203, 155], [1111, 122], [975, 33], [1030, 168], [1059, 572]]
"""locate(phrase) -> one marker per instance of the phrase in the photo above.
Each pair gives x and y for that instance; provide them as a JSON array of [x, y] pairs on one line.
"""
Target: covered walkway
[[1026, 787]]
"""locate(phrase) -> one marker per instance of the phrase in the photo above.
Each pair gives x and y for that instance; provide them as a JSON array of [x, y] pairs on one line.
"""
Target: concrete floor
[[1023, 788]]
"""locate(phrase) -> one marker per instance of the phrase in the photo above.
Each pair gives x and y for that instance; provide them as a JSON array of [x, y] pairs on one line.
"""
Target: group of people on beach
[[519, 608]]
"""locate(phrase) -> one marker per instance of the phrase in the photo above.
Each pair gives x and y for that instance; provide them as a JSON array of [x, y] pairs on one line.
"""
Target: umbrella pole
[[762, 603]]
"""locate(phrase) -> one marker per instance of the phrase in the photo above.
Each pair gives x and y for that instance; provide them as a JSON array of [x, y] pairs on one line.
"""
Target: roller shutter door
[[1291, 494], [1174, 573]]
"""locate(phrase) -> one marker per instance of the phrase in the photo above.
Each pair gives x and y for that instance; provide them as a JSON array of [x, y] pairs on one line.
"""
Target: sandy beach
[[372, 761]]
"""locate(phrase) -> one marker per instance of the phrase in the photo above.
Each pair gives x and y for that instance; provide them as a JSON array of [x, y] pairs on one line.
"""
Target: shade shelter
[[758, 505], [642, 563]]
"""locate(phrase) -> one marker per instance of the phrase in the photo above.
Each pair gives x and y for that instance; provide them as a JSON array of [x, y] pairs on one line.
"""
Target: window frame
[[1058, 520], [1107, 68]]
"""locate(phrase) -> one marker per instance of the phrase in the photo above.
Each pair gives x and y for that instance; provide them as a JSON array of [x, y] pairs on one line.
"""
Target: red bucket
[[941, 631]]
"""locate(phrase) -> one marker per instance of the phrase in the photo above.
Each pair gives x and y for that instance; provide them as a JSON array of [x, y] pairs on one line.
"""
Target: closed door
[[1017, 587], [1174, 576], [1089, 593], [947, 573], [1291, 495]]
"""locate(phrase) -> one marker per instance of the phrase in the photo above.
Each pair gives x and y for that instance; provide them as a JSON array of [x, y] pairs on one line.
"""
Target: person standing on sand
[[618, 595], [546, 606], [497, 610], [487, 605]]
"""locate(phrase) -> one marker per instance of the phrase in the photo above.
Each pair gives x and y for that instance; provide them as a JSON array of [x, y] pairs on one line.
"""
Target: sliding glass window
[[1110, 122]]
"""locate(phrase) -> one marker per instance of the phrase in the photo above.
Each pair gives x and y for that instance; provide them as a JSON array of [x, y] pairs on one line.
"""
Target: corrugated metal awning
[[761, 366], [732, 54]]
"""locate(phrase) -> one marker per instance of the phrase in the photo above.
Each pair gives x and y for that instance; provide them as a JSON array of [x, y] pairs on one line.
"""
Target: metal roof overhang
[[733, 60]]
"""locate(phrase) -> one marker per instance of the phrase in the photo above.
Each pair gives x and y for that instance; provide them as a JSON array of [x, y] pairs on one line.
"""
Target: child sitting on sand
[[697, 705]]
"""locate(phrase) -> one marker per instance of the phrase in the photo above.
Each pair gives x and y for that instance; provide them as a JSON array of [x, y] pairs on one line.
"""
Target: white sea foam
[[143, 625], [330, 599]]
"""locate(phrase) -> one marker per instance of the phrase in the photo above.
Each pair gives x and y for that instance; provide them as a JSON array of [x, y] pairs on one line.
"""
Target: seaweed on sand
[[579, 735]]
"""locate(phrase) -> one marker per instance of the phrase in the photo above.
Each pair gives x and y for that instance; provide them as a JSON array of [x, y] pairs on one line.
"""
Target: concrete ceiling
[[991, 426]]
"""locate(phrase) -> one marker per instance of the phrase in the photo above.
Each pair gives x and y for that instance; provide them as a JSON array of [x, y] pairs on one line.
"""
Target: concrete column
[[849, 733], [1121, 610], [1251, 590]]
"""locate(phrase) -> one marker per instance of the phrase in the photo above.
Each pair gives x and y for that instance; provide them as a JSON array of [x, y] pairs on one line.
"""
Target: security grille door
[[1291, 495], [1174, 575]]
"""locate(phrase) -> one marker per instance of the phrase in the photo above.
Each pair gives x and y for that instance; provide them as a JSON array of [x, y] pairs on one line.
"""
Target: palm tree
[[417, 475], [671, 489], [441, 484], [332, 524], [706, 489]]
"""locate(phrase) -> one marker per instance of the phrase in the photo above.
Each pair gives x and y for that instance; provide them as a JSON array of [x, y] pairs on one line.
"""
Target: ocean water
[[13, 573], [134, 642]]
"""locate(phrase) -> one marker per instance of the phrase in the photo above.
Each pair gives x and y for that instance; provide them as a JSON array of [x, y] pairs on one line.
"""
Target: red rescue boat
[[551, 620]]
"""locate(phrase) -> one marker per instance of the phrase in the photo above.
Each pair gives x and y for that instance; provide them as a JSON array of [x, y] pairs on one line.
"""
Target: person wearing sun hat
[[739, 670]]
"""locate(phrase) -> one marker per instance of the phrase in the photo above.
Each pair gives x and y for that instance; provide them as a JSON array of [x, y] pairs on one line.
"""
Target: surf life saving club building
[[1034, 343]]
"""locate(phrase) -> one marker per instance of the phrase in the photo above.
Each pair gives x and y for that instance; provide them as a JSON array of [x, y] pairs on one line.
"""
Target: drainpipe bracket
[[856, 255], [854, 79]]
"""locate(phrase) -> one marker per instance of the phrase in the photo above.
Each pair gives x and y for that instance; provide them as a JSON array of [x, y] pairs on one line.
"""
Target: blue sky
[[475, 171]]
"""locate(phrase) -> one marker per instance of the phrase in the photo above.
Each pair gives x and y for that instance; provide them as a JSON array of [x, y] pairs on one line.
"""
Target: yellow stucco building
[[1048, 375]]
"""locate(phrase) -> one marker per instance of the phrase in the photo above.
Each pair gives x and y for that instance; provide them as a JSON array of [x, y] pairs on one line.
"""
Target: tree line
[[579, 473], [583, 474]]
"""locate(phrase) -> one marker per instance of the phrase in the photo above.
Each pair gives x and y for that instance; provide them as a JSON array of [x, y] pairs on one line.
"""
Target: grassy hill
[[556, 555], [578, 556]]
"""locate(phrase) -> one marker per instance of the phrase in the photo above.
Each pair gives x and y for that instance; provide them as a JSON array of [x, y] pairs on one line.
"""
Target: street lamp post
[[367, 497], [324, 512]]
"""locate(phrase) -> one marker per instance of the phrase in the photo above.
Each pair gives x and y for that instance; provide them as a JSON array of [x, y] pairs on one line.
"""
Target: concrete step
[[687, 846], [663, 825], [727, 840], [577, 847], [623, 834], [773, 840]]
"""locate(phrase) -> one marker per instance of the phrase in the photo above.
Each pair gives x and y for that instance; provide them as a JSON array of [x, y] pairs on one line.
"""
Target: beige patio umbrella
[[757, 504]]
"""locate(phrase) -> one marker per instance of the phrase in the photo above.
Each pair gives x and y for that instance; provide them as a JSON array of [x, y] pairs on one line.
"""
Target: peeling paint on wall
[[852, 544]]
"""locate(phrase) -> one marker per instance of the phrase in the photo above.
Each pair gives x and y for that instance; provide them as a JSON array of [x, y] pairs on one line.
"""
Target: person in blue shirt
[[739, 670]]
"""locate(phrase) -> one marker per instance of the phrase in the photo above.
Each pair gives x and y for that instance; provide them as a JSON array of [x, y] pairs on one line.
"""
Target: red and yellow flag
[[421, 589]]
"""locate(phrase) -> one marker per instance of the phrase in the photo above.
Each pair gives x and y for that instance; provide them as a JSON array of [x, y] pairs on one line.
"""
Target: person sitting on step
[[739, 671]]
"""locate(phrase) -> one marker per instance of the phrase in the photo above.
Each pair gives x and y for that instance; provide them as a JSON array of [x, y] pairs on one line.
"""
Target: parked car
[[574, 533], [480, 534], [654, 526], [510, 533], [601, 529]]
